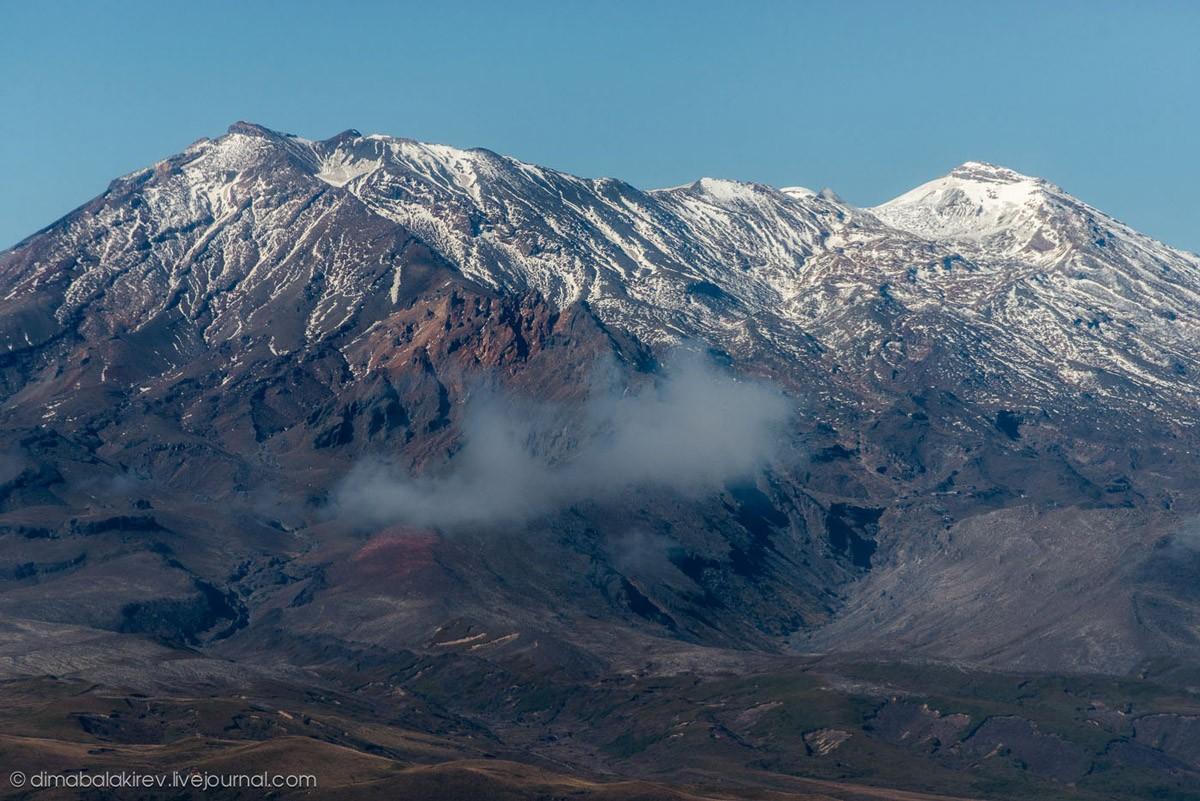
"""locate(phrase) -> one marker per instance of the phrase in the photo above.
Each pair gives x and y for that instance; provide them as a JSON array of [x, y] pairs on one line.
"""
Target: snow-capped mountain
[[1009, 272], [1066, 282], [264, 308]]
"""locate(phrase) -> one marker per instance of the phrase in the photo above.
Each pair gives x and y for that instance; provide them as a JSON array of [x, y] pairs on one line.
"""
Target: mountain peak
[[990, 173], [253, 129], [725, 188], [724, 191], [976, 202], [348, 135]]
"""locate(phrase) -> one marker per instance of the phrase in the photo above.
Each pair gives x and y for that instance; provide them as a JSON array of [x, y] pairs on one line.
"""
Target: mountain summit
[[975, 202]]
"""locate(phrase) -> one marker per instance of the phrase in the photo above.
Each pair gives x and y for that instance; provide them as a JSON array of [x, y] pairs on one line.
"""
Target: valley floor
[[692, 724]]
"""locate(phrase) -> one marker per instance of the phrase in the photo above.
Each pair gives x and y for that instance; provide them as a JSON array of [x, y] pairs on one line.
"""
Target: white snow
[[342, 168], [976, 201], [1004, 268]]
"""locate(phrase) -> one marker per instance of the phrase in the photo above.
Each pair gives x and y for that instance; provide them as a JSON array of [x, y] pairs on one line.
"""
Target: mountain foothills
[[447, 475]]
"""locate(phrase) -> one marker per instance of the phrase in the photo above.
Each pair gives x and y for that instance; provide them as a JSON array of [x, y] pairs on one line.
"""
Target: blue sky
[[868, 98]]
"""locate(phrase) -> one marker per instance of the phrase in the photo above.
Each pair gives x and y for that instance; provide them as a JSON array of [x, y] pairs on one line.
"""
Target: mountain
[[402, 440]]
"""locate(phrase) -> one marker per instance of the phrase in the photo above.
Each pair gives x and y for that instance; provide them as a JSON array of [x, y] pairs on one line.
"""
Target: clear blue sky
[[868, 98]]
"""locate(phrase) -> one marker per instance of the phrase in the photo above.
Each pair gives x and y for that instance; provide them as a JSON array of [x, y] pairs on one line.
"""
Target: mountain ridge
[[684, 261]]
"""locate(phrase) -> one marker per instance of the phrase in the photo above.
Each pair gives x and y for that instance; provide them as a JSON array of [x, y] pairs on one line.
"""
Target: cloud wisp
[[691, 430]]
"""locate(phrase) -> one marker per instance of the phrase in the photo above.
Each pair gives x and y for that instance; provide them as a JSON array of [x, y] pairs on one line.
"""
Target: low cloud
[[692, 429]]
